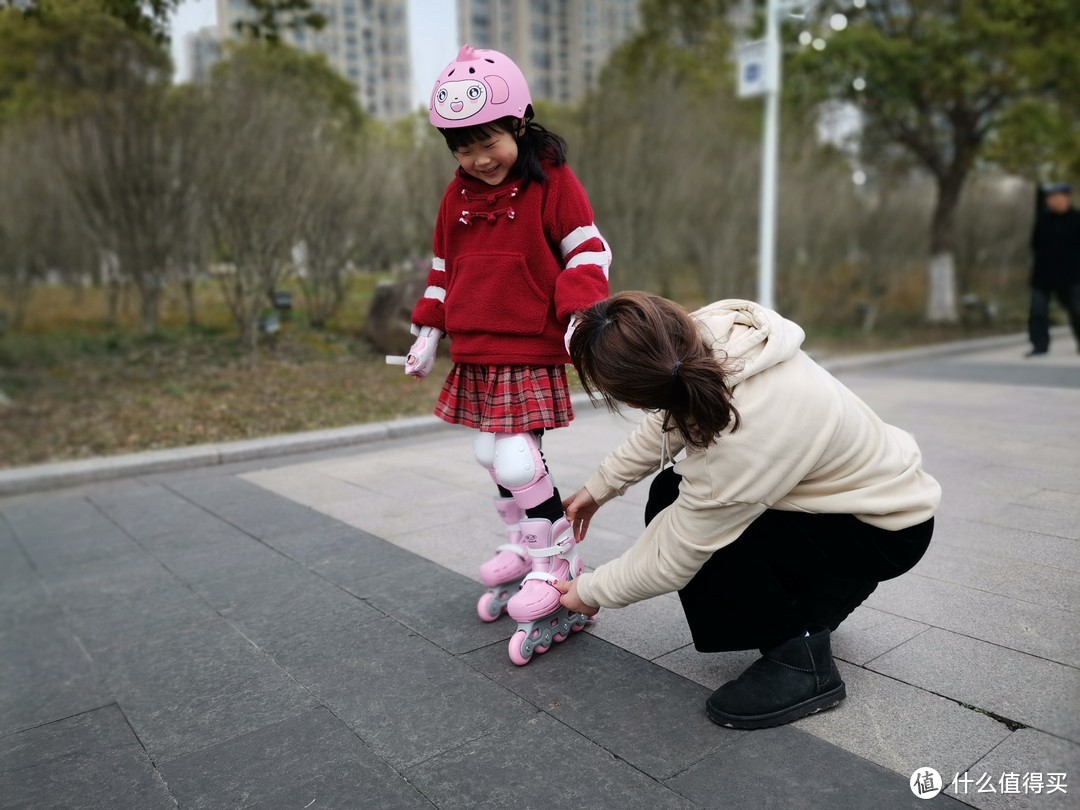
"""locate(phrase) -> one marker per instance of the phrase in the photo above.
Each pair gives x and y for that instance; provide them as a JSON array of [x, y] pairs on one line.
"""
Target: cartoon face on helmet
[[478, 87], [459, 100]]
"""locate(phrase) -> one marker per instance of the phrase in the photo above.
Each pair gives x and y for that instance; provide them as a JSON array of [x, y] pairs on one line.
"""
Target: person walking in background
[[793, 501], [1055, 245], [517, 255]]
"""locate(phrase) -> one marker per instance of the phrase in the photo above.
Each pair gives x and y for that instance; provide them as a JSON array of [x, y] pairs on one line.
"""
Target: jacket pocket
[[495, 293]]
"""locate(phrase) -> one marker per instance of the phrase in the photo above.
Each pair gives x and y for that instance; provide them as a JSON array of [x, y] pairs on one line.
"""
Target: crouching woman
[[791, 499]]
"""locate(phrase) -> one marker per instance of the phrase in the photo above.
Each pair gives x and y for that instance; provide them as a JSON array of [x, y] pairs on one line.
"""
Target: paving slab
[[195, 685], [711, 670], [971, 536], [653, 719], [649, 629], [433, 602], [404, 696], [1044, 585], [539, 763], [902, 727], [274, 606], [248, 507], [321, 543], [23, 597], [111, 606], [956, 564], [312, 760], [868, 633], [1019, 773], [787, 768], [153, 511], [1034, 629], [989, 677], [61, 533], [89, 760], [47, 675], [1029, 517]]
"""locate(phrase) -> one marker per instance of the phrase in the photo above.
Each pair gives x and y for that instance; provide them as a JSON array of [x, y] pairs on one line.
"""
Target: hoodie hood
[[752, 337]]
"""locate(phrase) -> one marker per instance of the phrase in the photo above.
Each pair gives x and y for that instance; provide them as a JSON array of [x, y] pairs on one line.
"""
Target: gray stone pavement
[[299, 631]]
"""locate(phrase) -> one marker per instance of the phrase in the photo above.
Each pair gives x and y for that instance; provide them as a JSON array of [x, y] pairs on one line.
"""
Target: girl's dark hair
[[535, 144], [644, 350]]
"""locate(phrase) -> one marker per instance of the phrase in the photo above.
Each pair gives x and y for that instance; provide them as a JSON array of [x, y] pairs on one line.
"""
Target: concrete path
[[300, 632]]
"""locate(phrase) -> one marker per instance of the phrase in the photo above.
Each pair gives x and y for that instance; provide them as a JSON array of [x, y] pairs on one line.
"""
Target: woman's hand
[[570, 599], [579, 508]]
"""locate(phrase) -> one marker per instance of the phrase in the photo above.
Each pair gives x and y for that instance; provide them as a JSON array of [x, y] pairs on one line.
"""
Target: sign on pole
[[755, 77]]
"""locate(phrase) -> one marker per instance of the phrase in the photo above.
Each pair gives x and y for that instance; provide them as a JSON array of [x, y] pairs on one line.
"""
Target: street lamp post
[[770, 140], [761, 74]]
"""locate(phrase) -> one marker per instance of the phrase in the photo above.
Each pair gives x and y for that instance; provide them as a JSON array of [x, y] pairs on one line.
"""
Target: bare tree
[[112, 137], [40, 228], [191, 248], [23, 221], [419, 166], [625, 162], [255, 187], [330, 229]]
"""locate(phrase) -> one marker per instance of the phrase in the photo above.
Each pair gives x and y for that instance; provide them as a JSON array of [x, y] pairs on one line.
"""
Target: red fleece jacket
[[511, 266]]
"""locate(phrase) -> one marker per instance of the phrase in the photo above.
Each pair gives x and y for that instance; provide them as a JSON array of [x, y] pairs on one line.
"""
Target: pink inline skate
[[542, 620], [503, 572]]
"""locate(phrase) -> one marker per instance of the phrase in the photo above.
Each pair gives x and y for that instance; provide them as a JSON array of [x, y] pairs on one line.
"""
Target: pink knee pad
[[520, 468]]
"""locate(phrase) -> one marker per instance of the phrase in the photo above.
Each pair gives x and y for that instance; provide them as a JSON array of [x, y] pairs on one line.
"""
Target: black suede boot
[[790, 681]]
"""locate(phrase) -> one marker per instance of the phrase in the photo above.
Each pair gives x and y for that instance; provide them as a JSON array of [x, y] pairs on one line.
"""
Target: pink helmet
[[477, 88]]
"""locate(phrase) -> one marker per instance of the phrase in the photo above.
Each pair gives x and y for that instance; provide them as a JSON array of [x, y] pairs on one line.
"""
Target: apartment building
[[560, 45], [203, 49], [367, 41]]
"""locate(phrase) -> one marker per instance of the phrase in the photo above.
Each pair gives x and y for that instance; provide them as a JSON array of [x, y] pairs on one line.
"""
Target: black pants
[[1039, 316], [788, 572]]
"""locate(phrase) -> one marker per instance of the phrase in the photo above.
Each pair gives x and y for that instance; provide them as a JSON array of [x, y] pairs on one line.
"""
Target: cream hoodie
[[805, 444]]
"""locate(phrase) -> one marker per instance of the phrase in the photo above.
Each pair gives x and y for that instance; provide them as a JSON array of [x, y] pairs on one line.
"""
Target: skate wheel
[[516, 641], [576, 628], [483, 608], [540, 649], [558, 638]]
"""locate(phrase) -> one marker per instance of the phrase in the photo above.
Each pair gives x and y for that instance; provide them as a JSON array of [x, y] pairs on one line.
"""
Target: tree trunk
[[20, 295], [112, 302], [941, 287], [149, 295], [189, 299], [941, 297]]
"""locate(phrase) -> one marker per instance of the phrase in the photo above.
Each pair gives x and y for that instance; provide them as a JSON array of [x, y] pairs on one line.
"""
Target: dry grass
[[79, 389]]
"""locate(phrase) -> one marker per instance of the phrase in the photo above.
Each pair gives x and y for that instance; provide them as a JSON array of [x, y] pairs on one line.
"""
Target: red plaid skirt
[[505, 398]]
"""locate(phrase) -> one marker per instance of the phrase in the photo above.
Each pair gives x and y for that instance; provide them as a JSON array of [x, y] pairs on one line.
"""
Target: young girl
[[516, 256]]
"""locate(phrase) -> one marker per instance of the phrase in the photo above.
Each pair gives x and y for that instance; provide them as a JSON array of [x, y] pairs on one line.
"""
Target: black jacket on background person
[[1055, 243]]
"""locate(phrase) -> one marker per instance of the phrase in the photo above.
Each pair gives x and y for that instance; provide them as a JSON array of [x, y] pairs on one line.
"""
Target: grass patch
[[81, 387]]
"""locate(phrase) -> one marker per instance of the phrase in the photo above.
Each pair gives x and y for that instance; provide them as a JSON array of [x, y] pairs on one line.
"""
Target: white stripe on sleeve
[[578, 237], [601, 260]]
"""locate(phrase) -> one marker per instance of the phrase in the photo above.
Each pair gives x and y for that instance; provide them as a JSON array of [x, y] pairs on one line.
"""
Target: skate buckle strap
[[560, 547], [540, 575], [513, 547]]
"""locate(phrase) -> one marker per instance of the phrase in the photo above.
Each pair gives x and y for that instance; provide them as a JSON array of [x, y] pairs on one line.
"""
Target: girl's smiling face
[[490, 159]]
